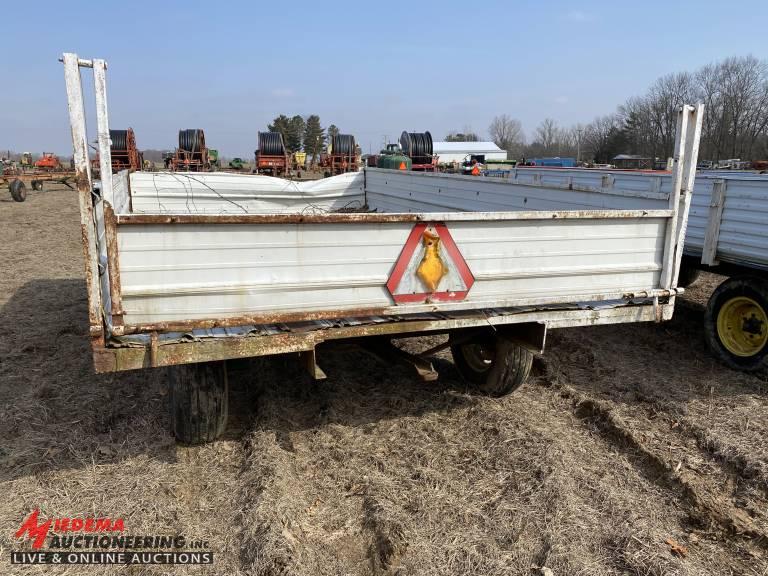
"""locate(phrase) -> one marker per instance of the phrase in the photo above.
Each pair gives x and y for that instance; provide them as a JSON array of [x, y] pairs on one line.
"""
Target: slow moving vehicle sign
[[430, 268]]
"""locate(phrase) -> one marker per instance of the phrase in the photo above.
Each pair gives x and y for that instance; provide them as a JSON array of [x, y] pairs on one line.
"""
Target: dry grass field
[[630, 451]]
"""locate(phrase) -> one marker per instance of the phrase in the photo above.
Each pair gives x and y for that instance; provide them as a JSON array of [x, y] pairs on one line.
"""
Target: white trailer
[[190, 270], [727, 234]]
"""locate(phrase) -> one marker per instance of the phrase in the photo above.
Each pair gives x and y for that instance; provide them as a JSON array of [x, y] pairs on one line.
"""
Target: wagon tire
[[492, 364], [736, 323], [689, 273], [37, 185], [198, 401], [18, 190]]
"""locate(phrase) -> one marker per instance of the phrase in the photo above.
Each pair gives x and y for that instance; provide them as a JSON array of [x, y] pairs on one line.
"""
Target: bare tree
[[547, 134], [603, 138], [734, 92], [507, 133]]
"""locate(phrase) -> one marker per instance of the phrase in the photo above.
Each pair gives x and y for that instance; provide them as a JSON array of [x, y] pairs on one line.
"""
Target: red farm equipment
[[125, 155], [418, 147], [191, 155], [48, 162], [343, 155], [271, 157]]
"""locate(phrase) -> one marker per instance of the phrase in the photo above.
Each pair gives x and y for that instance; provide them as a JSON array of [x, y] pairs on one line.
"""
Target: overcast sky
[[372, 68]]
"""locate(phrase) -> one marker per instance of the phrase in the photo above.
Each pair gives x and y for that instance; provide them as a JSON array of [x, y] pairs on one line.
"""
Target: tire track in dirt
[[651, 434], [344, 529], [373, 472]]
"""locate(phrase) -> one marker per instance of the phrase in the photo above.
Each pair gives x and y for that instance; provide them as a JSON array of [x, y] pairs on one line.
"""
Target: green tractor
[[213, 159], [236, 164]]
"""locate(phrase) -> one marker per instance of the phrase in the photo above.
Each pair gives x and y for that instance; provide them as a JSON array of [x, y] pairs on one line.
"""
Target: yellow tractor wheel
[[736, 322]]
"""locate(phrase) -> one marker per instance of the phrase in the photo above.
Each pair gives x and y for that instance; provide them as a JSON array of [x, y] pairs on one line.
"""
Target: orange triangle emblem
[[430, 268], [402, 166], [475, 171]]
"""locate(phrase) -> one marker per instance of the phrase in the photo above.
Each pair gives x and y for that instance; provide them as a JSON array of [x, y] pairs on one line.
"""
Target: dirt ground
[[631, 451]]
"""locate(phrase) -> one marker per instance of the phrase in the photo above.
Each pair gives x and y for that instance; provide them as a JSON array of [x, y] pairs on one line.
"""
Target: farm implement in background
[[18, 181]]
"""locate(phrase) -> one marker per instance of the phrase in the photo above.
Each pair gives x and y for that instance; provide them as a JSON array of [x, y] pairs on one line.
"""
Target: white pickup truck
[[192, 269]]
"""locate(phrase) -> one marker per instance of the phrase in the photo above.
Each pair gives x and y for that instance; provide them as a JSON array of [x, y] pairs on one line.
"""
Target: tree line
[[735, 95], [300, 133]]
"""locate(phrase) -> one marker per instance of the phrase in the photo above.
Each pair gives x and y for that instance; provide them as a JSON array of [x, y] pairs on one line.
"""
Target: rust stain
[[153, 349], [108, 359], [113, 263], [272, 318], [376, 217], [333, 218], [288, 317]]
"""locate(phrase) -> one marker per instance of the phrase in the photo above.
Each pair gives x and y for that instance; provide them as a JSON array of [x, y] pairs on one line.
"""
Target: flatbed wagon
[[727, 234], [18, 182], [191, 270]]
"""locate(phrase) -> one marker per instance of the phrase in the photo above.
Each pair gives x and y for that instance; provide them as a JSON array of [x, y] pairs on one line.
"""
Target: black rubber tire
[[509, 369], [199, 401], [748, 286], [689, 273], [18, 190]]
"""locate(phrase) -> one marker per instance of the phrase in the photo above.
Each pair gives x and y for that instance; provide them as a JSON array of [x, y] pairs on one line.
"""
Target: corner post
[[84, 190]]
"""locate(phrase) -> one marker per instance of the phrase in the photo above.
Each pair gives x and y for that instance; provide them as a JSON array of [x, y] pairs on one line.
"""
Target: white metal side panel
[[561, 258], [744, 224], [395, 191], [698, 215], [219, 270], [743, 237], [227, 193], [183, 272], [599, 180], [120, 195]]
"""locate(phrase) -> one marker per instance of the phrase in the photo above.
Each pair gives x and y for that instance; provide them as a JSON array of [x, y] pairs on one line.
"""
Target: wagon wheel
[[18, 190], [493, 364], [689, 273], [37, 185], [736, 322]]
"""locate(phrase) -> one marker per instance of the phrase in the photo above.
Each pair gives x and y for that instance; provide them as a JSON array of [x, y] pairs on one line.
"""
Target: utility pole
[[578, 145]]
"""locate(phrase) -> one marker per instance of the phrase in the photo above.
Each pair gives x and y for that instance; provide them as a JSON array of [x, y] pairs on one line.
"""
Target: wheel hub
[[741, 326], [478, 356]]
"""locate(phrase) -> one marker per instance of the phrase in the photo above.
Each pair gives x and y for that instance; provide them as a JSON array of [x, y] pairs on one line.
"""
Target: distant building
[[632, 162], [449, 152], [552, 162]]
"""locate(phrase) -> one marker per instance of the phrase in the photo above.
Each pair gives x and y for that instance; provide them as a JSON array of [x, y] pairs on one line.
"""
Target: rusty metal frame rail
[[111, 358], [310, 316], [340, 217]]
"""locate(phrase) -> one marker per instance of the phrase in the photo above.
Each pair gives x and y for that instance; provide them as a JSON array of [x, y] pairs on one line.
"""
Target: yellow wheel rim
[[742, 326]]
